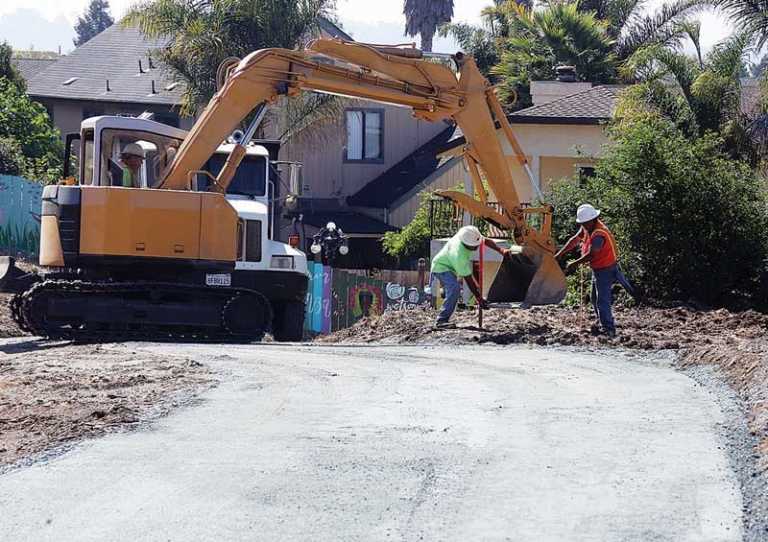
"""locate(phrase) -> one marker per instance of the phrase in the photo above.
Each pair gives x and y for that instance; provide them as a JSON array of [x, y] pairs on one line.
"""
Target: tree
[[26, 126], [204, 33], [596, 36], [8, 71], [93, 22], [750, 17], [423, 17], [704, 96], [689, 220]]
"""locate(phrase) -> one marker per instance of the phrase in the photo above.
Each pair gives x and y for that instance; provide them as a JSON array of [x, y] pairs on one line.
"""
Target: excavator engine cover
[[529, 276]]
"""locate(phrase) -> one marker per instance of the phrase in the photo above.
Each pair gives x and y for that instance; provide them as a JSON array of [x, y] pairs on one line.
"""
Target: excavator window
[[159, 151], [250, 178]]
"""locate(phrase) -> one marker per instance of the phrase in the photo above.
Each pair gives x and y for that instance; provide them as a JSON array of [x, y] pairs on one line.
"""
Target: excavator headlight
[[282, 262]]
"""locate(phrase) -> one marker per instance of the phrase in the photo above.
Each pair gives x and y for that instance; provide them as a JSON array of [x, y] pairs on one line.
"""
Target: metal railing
[[445, 218]]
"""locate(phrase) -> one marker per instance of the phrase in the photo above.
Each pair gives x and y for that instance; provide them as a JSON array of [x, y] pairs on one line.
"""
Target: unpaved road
[[397, 443]]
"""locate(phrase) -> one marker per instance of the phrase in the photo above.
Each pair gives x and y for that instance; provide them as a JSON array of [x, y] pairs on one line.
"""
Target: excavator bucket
[[527, 275]]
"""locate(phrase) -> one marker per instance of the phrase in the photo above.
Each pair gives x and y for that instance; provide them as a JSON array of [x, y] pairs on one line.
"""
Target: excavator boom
[[394, 76]]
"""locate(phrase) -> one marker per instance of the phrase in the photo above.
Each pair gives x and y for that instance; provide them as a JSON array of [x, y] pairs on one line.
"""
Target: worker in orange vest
[[598, 248]]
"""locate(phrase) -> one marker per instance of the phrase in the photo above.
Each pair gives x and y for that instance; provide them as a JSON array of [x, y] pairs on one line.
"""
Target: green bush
[[690, 222], [11, 157], [28, 124]]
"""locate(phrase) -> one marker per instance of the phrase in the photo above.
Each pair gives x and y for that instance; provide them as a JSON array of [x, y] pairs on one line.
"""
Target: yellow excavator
[[166, 258]]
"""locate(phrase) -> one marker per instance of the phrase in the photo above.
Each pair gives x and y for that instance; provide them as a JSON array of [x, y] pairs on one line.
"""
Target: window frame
[[365, 111]]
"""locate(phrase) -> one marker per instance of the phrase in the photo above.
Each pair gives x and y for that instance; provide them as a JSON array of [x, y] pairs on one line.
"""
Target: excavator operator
[[132, 158]]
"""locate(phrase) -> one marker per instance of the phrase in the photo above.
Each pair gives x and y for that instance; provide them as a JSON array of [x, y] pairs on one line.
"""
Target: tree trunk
[[426, 40]]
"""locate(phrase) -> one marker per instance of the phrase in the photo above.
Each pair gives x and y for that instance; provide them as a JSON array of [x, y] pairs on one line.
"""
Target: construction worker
[[455, 260], [598, 248], [132, 158]]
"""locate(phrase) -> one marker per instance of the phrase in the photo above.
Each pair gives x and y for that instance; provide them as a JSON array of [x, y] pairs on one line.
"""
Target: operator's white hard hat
[[470, 236], [133, 149], [585, 213]]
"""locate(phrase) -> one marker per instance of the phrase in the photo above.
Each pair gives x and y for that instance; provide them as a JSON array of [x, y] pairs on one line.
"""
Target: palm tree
[[204, 33], [423, 17], [698, 96], [750, 17], [539, 40]]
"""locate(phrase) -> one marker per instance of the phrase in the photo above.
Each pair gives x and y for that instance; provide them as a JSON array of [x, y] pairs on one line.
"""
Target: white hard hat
[[133, 149], [470, 236], [585, 213]]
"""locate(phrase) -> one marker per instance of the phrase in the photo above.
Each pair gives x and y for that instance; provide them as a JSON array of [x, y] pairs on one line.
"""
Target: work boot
[[444, 325], [610, 333]]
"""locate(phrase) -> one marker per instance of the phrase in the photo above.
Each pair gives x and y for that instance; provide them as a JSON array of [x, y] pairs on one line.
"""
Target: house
[[562, 134]]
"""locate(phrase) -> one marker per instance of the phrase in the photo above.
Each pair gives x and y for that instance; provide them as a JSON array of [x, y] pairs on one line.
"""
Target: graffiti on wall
[[19, 216], [338, 298]]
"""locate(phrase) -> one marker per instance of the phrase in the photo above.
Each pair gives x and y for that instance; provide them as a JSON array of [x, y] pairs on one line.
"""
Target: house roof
[[32, 67], [589, 107], [112, 56], [403, 176], [350, 222], [592, 106]]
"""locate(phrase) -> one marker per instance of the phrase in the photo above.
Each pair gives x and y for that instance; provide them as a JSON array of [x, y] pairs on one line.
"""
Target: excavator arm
[[391, 75]]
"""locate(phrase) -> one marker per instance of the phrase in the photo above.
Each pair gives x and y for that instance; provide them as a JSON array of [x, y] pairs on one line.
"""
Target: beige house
[[562, 134]]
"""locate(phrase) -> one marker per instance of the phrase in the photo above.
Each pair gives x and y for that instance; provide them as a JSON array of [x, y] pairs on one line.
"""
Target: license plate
[[218, 279]]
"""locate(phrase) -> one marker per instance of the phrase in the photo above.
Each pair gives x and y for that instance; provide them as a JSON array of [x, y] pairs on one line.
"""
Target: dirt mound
[[645, 328], [7, 326], [53, 393]]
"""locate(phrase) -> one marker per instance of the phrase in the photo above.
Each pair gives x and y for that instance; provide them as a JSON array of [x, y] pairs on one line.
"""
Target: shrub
[[689, 221], [11, 157]]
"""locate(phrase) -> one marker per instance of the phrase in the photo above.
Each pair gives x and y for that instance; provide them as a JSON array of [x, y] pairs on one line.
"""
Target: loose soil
[[54, 394], [7, 326], [734, 343]]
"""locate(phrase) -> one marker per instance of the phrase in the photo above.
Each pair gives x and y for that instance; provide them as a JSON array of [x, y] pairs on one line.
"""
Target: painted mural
[[338, 298], [19, 216]]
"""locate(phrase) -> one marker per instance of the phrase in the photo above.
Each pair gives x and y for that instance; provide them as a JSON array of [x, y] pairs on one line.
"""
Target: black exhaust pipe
[[12, 279]]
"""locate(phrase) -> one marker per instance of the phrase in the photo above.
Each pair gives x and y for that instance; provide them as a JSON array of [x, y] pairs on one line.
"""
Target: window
[[584, 173], [365, 135]]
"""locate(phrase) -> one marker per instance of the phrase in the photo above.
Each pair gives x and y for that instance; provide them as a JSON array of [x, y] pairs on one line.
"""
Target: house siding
[[325, 173], [402, 213]]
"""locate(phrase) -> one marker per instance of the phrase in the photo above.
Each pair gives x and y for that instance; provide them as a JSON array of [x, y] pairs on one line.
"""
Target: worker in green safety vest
[[132, 158]]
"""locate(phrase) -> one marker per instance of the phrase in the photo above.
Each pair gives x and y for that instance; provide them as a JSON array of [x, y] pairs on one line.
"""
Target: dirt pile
[[53, 394], [736, 343], [7, 326]]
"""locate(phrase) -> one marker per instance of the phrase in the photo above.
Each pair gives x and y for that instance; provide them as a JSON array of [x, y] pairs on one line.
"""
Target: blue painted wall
[[19, 216]]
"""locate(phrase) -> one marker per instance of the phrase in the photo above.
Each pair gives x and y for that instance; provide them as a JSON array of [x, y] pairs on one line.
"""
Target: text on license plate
[[218, 279]]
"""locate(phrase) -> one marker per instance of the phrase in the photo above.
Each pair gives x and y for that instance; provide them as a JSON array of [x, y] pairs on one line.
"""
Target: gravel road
[[399, 443]]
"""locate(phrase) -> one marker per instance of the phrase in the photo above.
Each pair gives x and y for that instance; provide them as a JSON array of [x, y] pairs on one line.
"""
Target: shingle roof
[[331, 29], [32, 67], [591, 106], [403, 176], [112, 55]]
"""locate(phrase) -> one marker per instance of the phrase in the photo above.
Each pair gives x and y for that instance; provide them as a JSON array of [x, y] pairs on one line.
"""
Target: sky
[[47, 24]]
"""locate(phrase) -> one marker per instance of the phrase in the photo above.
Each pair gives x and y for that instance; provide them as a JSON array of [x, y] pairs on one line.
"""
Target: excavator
[[165, 259]]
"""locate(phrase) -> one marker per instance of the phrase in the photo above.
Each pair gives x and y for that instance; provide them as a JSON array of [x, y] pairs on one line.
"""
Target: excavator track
[[85, 311]]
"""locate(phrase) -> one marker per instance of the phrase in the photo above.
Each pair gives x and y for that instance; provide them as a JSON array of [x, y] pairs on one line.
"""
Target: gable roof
[[350, 222], [112, 56], [590, 107], [403, 176], [593, 106]]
